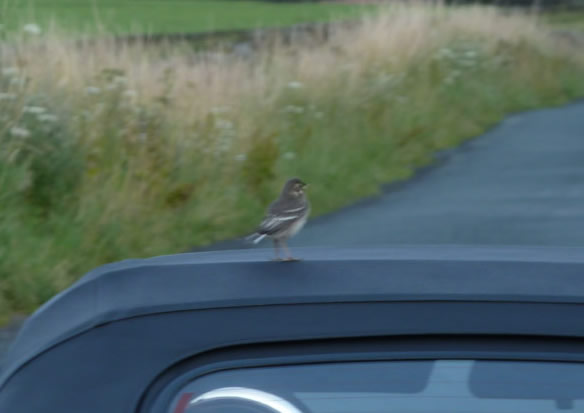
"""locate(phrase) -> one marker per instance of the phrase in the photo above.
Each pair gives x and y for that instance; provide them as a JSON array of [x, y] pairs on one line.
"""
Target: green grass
[[169, 16], [568, 20], [112, 152]]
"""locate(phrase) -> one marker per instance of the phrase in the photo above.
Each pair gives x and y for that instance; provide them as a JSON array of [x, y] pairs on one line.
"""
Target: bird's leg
[[277, 249], [289, 256]]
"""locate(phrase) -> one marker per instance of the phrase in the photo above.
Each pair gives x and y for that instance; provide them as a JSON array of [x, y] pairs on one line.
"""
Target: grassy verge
[[567, 20], [168, 16], [109, 152]]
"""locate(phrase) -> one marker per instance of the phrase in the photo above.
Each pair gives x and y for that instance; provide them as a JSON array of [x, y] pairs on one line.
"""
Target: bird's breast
[[297, 226]]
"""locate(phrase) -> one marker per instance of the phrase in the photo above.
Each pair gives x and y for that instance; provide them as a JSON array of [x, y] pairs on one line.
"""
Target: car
[[398, 329]]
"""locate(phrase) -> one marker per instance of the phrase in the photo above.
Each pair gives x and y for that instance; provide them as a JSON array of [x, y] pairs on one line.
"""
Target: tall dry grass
[[112, 150]]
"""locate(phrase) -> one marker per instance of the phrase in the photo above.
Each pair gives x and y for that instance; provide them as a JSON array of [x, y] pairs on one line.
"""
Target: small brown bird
[[285, 217]]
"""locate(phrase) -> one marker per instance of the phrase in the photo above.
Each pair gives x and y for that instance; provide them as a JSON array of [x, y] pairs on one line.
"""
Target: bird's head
[[294, 187]]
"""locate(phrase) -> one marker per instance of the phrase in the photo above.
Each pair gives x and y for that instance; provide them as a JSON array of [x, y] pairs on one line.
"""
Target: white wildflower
[[445, 53], [220, 109], [92, 90], [387, 78], [47, 117], [18, 81], [293, 109], [19, 132], [37, 110], [289, 156], [9, 71], [7, 96], [32, 28], [295, 85], [223, 124], [120, 80], [130, 93], [241, 157]]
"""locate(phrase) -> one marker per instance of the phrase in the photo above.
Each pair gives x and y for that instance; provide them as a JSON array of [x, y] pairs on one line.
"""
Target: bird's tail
[[255, 238]]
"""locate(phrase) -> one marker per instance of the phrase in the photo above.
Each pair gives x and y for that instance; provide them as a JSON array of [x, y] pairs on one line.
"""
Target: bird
[[284, 217]]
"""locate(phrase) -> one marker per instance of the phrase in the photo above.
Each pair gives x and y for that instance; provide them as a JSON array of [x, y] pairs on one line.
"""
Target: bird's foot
[[291, 259]]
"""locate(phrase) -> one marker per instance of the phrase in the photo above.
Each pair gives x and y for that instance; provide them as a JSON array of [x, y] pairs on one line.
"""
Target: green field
[[168, 16], [568, 20]]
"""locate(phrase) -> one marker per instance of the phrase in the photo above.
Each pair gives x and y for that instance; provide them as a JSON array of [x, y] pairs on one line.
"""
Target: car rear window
[[426, 386]]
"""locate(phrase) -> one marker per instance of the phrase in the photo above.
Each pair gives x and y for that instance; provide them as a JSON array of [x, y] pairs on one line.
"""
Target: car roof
[[129, 292], [138, 287]]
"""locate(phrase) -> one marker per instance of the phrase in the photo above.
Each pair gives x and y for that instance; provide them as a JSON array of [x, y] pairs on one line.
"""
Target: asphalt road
[[521, 183]]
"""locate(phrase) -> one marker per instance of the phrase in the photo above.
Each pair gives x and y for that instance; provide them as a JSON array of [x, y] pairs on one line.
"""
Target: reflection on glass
[[243, 396]]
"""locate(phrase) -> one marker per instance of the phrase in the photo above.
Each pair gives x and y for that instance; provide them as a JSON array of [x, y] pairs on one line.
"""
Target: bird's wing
[[280, 217], [275, 223]]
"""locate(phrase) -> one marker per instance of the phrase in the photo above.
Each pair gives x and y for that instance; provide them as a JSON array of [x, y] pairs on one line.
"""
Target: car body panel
[[102, 342]]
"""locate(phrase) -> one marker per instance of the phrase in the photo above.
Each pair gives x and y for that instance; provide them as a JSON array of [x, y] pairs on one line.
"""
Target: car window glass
[[444, 386]]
